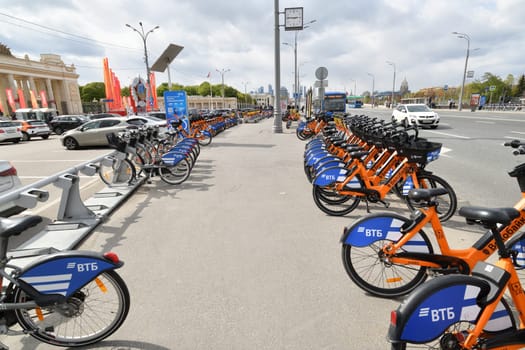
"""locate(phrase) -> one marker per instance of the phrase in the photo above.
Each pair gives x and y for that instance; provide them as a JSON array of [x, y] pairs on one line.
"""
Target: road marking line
[[45, 177], [447, 134], [515, 137], [484, 122], [51, 160], [518, 132]]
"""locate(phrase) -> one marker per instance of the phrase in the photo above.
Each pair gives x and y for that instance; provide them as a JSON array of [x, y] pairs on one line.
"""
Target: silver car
[[9, 181], [93, 133], [10, 131]]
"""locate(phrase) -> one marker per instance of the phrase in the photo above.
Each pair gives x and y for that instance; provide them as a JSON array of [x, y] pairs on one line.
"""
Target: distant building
[[25, 83], [263, 99], [270, 89]]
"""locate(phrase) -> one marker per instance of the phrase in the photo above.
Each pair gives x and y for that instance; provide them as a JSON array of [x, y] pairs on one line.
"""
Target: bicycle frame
[[396, 252]]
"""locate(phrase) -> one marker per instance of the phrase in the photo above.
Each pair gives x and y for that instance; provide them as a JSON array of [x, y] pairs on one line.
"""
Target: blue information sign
[[176, 105]]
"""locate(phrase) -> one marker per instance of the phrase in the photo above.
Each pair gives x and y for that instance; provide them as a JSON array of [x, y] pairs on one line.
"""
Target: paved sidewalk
[[239, 257]]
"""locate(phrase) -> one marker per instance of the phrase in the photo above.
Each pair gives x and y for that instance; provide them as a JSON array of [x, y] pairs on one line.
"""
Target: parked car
[[160, 115], [93, 133], [9, 181], [32, 128], [416, 113], [10, 131], [147, 120], [103, 115], [66, 122]]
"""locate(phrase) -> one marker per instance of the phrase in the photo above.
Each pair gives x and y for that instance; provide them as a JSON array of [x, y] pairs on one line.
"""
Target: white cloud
[[350, 38]]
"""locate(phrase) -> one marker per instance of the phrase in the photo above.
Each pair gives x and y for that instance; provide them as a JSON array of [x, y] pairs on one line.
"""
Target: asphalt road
[[239, 256]]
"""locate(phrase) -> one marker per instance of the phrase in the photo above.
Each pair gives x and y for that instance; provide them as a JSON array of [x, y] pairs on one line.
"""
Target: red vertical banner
[[21, 98], [43, 98], [2, 107], [154, 91], [34, 102], [10, 99], [108, 82]]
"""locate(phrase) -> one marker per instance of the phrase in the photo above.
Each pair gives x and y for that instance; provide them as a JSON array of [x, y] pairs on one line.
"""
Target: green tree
[[519, 88], [125, 91], [204, 89], [92, 91]]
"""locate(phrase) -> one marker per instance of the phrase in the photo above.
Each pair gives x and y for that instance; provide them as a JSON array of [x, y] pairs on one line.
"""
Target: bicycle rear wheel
[[120, 173], [447, 204], [371, 272], [91, 314]]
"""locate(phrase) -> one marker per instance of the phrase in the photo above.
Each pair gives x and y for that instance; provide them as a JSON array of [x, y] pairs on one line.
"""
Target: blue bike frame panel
[[65, 273], [442, 302], [378, 227]]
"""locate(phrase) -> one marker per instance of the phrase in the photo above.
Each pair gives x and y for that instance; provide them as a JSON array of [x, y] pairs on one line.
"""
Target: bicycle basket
[[421, 151], [116, 142]]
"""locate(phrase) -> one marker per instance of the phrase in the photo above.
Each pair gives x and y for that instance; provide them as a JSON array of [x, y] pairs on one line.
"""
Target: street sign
[[492, 88], [321, 73], [293, 18], [321, 83], [470, 74]]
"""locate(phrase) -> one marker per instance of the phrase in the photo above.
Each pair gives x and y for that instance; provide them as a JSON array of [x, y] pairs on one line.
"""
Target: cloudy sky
[[349, 38]]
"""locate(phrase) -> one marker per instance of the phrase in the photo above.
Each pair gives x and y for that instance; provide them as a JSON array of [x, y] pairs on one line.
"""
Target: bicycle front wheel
[[120, 173], [204, 139], [447, 203], [367, 268], [332, 203], [175, 174], [91, 314]]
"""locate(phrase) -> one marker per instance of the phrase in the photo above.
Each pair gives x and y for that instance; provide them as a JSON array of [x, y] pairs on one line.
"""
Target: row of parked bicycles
[[469, 303], [76, 298], [143, 152]]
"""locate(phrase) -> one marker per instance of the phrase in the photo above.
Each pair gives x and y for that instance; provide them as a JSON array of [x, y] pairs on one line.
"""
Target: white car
[[147, 120], [417, 113], [10, 131], [9, 181]]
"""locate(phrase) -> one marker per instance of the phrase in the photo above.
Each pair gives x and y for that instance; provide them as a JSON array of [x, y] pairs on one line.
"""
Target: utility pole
[[222, 72]]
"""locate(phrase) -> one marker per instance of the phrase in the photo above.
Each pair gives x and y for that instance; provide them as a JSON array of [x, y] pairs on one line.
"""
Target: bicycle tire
[[337, 207], [204, 139], [447, 204], [384, 279], [175, 174], [96, 314], [119, 173]]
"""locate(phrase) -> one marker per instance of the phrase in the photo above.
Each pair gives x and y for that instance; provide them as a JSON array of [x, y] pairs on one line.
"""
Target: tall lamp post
[[467, 38], [394, 81], [296, 73], [245, 99], [222, 72], [373, 87], [144, 37]]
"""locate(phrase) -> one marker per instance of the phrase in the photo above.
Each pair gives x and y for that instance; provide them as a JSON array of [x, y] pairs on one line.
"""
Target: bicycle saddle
[[425, 194], [13, 227], [489, 217]]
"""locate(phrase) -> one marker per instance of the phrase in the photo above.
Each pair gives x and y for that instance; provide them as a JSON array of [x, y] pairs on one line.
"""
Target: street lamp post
[[245, 99], [373, 87], [394, 81], [467, 38], [222, 72], [144, 37], [296, 73]]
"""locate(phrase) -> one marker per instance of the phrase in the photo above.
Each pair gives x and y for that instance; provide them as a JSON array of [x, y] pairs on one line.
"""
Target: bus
[[334, 102], [354, 101]]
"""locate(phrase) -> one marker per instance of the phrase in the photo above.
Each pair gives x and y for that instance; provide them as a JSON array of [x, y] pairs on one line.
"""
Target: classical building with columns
[[48, 83]]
